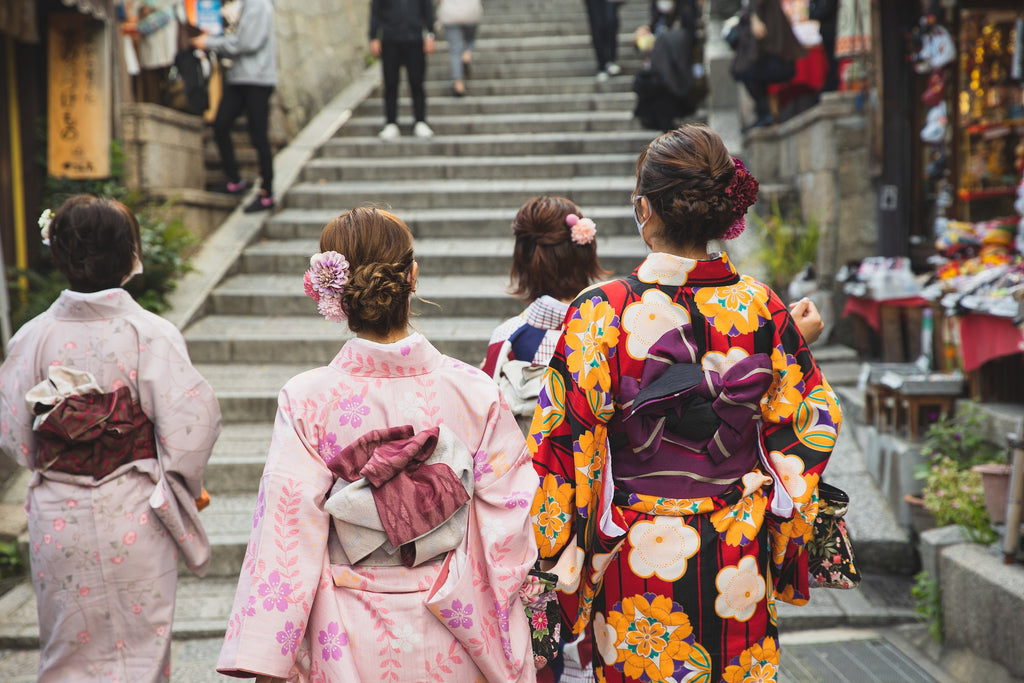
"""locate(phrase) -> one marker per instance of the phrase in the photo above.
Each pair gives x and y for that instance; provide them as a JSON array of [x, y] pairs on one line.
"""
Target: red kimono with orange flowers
[[674, 530]]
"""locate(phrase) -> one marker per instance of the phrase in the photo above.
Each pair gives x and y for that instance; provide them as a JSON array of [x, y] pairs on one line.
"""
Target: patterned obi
[[94, 434], [691, 431]]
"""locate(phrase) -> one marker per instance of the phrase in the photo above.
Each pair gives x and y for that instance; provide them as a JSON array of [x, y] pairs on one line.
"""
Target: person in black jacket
[[402, 34]]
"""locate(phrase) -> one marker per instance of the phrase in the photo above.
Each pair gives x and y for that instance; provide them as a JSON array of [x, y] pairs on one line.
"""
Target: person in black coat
[[402, 34]]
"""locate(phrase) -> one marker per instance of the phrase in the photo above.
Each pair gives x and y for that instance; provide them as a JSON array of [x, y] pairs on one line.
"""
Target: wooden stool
[[913, 404], [888, 410]]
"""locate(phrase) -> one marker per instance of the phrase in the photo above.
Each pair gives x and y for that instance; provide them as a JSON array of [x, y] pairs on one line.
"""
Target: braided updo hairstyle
[[545, 260], [683, 174], [94, 242], [378, 247]]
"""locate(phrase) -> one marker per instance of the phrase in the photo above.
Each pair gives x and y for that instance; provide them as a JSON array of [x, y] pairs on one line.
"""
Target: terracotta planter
[[921, 519], [995, 479]]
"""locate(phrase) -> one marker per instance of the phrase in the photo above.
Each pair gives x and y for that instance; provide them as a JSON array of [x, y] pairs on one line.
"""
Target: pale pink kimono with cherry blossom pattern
[[104, 567], [460, 619]]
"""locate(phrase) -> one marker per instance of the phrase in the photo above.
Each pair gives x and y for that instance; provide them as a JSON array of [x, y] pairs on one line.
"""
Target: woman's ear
[[414, 274]]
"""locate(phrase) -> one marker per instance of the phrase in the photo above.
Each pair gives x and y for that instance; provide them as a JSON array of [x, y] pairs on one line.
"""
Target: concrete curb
[[221, 249]]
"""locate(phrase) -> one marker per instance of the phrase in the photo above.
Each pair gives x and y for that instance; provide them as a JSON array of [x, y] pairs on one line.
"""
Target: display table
[[893, 326], [990, 352]]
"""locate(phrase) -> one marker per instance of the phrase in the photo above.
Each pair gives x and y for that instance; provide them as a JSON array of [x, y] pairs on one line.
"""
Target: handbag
[[542, 611], [830, 560]]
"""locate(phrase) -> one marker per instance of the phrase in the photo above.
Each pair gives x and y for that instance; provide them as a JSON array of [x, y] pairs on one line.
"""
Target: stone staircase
[[534, 122]]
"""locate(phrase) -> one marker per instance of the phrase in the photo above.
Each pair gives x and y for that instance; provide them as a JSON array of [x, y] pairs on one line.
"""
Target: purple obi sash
[[692, 432]]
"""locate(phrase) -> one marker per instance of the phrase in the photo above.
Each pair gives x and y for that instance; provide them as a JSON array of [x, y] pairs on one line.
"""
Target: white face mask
[[136, 270], [636, 215], [665, 6]]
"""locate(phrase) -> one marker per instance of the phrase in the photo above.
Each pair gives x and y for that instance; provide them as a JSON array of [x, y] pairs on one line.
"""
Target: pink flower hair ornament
[[582, 230], [742, 189], [325, 281]]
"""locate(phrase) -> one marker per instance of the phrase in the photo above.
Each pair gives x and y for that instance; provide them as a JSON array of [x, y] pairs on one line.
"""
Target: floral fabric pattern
[[627, 556]]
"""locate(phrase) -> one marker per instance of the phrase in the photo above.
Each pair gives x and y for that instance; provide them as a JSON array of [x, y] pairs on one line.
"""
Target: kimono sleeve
[[801, 420], [17, 376], [181, 404], [286, 555], [484, 574]]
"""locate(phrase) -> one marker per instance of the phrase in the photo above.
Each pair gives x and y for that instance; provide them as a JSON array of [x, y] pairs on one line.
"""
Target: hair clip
[[582, 230], [45, 218], [742, 189], [325, 281]]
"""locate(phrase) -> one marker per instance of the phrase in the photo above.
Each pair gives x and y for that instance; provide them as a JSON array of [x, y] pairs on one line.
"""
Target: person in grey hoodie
[[249, 83]]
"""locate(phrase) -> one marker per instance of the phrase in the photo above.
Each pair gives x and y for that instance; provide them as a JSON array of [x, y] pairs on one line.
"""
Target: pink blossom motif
[[143, 519], [84, 591], [250, 609], [406, 350], [353, 411], [133, 375], [117, 560], [539, 620], [328, 273], [119, 644], [130, 538], [328, 447], [275, 593], [307, 286], [458, 615], [518, 499], [506, 643], [70, 345], [83, 637], [480, 465], [289, 638], [117, 384], [160, 630], [136, 608], [47, 538], [261, 506], [583, 232], [330, 308], [58, 524], [333, 641], [72, 503]]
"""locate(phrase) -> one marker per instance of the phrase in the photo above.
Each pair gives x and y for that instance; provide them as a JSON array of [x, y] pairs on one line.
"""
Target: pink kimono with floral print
[[298, 616], [104, 566]]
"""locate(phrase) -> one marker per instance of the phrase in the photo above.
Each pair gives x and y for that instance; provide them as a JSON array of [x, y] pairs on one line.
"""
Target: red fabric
[[811, 71], [987, 337], [870, 309]]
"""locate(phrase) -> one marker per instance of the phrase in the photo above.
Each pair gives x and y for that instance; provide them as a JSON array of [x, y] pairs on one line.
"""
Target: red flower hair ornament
[[742, 190]]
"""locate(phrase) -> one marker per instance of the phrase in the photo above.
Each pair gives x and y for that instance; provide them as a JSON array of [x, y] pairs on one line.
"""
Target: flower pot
[[995, 479], [921, 519]]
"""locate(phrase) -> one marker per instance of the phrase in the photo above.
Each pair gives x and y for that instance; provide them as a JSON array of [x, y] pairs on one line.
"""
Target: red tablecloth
[[986, 337], [870, 309]]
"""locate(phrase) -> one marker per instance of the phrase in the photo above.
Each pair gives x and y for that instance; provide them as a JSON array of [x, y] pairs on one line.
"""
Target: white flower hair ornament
[[325, 281], [45, 218], [582, 230]]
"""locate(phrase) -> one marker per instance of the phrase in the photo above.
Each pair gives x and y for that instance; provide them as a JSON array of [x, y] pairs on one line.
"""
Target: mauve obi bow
[[680, 401], [418, 485]]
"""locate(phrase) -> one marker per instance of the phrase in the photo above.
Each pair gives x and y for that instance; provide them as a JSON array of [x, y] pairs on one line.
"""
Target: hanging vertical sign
[[78, 99]]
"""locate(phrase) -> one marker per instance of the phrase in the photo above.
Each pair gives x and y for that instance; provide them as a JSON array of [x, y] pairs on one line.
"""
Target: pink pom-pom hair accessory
[[582, 230]]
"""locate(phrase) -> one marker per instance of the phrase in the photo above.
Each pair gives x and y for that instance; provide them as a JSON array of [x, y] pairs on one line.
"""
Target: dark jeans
[[603, 16], [254, 100], [767, 70], [393, 56]]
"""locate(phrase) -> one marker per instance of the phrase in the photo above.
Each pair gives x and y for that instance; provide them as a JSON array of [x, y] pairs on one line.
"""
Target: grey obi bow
[[400, 497]]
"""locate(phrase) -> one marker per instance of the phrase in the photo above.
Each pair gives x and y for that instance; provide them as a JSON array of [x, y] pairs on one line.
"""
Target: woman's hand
[[269, 679], [429, 45], [807, 318], [757, 27], [375, 47], [199, 42]]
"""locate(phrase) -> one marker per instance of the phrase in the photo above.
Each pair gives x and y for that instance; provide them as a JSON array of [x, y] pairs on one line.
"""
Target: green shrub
[[787, 245], [928, 603]]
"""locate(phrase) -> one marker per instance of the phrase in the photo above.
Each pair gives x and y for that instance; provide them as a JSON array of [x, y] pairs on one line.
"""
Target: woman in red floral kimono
[[679, 437]]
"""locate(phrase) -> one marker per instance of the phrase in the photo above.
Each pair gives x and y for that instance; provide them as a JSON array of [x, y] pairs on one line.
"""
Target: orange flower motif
[[757, 664], [734, 309], [552, 514], [589, 454], [739, 524], [651, 635], [786, 391], [590, 339], [550, 411]]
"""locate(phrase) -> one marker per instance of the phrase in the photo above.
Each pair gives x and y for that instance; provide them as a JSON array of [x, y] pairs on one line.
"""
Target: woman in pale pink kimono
[[391, 537], [99, 399]]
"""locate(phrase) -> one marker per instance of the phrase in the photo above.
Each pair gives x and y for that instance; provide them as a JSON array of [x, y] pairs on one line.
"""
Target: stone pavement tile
[[19, 666], [195, 661]]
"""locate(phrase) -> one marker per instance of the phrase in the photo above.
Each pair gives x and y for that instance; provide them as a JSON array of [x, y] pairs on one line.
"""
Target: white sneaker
[[601, 77], [422, 130], [389, 132], [613, 69]]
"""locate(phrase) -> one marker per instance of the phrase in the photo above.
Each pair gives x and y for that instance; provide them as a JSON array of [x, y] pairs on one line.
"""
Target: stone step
[[498, 104], [609, 142], [579, 85], [314, 341], [247, 392], [498, 124], [541, 66], [469, 256], [431, 223], [238, 457], [480, 194], [455, 296], [480, 168]]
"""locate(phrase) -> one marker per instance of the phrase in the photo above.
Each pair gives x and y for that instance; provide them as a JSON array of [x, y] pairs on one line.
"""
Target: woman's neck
[[389, 337]]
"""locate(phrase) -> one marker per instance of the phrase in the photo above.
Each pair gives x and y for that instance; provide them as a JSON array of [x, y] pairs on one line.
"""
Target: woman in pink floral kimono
[[99, 399], [392, 533]]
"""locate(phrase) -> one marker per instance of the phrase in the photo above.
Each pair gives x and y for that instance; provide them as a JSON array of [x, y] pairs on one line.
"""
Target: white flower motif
[[45, 218], [790, 469], [645, 321], [567, 569], [665, 269], [412, 405], [604, 637], [740, 588], [719, 362], [661, 548], [405, 637]]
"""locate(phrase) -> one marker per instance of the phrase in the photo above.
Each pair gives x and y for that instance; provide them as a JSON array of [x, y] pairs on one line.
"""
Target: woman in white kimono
[[391, 537], [99, 399]]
